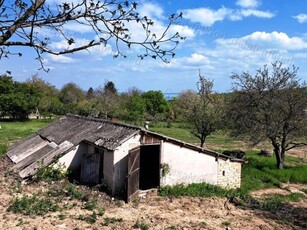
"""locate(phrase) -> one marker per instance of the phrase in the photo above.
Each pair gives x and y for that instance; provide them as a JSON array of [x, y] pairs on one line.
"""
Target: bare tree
[[206, 111], [270, 106], [22, 23]]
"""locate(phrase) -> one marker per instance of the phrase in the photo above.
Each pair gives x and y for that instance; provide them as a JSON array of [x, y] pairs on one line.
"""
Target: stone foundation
[[229, 174]]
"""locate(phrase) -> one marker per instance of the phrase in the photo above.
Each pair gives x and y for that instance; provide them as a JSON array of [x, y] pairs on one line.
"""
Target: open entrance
[[149, 167], [143, 169]]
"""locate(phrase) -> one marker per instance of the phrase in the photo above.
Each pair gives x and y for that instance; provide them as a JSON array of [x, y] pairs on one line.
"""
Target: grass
[[194, 190], [260, 172], [274, 202], [11, 131], [181, 132]]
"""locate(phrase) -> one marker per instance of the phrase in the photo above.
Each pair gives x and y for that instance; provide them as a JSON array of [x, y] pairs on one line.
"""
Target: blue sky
[[223, 37]]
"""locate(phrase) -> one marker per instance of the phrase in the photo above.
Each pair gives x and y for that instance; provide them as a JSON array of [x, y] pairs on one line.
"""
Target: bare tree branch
[[110, 21]]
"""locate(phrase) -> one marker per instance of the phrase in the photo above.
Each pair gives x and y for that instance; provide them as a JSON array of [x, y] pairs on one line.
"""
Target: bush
[[111, 220], [49, 174], [33, 205], [90, 219], [141, 225]]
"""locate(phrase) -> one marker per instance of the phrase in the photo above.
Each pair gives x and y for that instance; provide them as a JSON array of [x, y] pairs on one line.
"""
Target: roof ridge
[[103, 121]]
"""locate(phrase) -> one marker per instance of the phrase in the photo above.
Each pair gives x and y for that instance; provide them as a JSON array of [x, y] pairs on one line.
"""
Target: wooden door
[[90, 169], [133, 173]]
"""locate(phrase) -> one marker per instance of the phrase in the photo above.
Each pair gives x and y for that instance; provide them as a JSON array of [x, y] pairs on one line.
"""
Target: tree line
[[20, 99]]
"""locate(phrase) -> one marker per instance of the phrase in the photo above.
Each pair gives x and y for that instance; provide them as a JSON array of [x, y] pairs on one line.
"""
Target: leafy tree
[[206, 112], [49, 94], [70, 95], [109, 88], [109, 22], [17, 100], [107, 99], [90, 93], [136, 106], [183, 104], [270, 106], [6, 89], [155, 103]]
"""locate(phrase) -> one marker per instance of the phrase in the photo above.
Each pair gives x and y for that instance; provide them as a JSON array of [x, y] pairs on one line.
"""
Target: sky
[[223, 37]]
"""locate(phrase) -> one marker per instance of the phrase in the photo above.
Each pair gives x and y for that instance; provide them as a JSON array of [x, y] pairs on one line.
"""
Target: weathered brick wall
[[229, 174]]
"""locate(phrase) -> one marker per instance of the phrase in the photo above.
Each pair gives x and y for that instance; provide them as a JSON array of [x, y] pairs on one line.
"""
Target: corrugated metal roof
[[75, 129], [60, 136]]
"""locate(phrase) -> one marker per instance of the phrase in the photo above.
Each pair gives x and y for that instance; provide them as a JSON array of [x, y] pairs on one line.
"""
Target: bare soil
[[153, 211]]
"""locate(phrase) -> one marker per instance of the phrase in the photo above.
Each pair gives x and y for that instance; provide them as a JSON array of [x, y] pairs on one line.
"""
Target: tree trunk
[[202, 141], [280, 157]]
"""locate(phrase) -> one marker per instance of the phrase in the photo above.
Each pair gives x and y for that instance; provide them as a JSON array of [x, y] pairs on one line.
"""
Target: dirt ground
[[152, 211]]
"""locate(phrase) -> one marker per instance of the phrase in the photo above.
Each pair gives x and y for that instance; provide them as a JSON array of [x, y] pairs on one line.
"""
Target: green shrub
[[62, 216], [49, 174], [72, 191], [91, 204], [141, 225], [111, 220], [33, 205], [101, 211], [90, 219], [69, 190]]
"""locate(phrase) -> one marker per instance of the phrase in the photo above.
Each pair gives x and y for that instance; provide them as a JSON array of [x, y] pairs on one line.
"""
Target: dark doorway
[[149, 167]]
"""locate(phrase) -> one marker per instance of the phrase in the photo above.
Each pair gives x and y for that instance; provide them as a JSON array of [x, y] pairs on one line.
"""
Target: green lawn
[[12, 131], [220, 139], [260, 172]]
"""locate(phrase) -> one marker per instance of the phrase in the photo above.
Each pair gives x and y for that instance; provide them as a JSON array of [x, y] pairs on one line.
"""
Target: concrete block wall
[[229, 174]]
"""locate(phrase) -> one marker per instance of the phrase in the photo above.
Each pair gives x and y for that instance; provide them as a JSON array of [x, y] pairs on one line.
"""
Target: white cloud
[[248, 3], [184, 31], [78, 27], [276, 40], [151, 10], [60, 58], [95, 52], [207, 16], [256, 13], [197, 59], [301, 18]]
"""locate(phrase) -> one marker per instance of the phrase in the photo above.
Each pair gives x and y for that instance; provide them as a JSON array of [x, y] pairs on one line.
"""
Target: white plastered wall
[[72, 159], [108, 168], [187, 166], [121, 163]]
